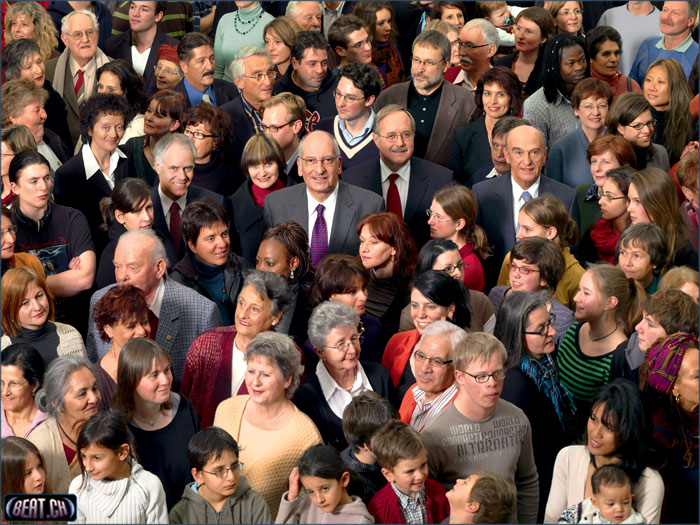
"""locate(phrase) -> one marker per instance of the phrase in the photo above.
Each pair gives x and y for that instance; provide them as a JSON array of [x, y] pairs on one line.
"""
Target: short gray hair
[[327, 316], [388, 110], [435, 38], [158, 246], [450, 331], [280, 350], [65, 19], [293, 8], [336, 149], [52, 396], [273, 286], [172, 138], [487, 29], [238, 64]]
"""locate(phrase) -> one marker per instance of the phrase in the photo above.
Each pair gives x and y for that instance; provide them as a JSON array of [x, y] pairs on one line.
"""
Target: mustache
[[208, 73], [466, 59], [399, 149]]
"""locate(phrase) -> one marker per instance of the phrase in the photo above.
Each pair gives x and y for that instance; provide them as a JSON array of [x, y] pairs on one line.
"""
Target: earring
[[677, 399], [291, 274]]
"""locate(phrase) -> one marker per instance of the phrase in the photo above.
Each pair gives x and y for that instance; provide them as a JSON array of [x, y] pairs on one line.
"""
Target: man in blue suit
[[177, 314], [500, 199]]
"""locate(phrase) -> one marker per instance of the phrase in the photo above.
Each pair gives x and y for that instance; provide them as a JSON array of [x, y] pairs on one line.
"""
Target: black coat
[[243, 128], [247, 219], [57, 116], [470, 151], [54, 142]]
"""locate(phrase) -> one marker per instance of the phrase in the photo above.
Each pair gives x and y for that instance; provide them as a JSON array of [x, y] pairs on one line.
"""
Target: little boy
[[362, 418], [611, 501], [502, 16], [219, 493], [641, 254], [483, 497], [410, 496]]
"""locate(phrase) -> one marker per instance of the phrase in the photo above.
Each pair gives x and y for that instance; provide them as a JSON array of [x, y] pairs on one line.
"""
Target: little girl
[[325, 479], [113, 487], [22, 467]]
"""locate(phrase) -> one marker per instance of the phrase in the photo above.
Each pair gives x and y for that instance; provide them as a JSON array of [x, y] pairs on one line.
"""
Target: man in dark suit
[[437, 107], [174, 158], [328, 210], [397, 174], [500, 199], [143, 38], [196, 56]]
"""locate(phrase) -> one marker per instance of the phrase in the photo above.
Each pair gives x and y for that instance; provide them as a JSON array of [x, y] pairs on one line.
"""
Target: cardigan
[[44, 340], [269, 475], [59, 473], [303, 510], [385, 506], [569, 486]]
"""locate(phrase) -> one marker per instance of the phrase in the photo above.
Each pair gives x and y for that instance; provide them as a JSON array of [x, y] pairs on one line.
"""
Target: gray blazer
[[352, 205]]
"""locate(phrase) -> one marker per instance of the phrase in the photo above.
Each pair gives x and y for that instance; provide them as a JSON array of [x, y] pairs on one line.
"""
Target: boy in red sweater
[[409, 497]]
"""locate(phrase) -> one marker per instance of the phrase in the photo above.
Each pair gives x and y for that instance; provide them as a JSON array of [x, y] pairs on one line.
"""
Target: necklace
[[237, 19], [603, 337], [66, 434], [151, 422]]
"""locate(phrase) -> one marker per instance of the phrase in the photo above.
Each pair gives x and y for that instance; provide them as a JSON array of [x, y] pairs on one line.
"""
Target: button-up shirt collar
[[92, 166]]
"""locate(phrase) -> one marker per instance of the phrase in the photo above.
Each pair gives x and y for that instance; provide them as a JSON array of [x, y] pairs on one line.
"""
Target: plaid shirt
[[413, 510]]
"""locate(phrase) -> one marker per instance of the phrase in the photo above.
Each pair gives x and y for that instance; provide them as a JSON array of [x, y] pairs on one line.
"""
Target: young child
[[502, 16], [611, 501], [113, 487], [410, 496], [325, 479], [641, 254], [362, 418], [22, 467], [219, 494], [483, 497]]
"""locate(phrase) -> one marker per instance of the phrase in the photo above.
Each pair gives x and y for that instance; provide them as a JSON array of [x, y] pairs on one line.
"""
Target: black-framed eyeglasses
[[545, 329], [471, 47], [197, 134], [608, 197], [640, 125], [484, 378], [272, 74], [274, 129], [451, 268], [434, 361], [222, 472]]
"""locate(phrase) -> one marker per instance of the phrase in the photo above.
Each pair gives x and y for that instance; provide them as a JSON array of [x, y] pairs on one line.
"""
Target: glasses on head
[[426, 63], [359, 45], [223, 471], [337, 94], [545, 329], [78, 35], [608, 196], [471, 47], [524, 270], [14, 386], [591, 107], [393, 137], [197, 134], [452, 268], [271, 74], [11, 230], [354, 342], [641, 125], [273, 129], [158, 68], [432, 215], [434, 361], [484, 378], [326, 161]]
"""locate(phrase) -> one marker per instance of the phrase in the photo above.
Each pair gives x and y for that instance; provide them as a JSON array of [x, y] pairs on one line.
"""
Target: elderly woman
[[70, 396], [22, 59], [525, 326], [29, 20], [497, 95], [605, 48], [27, 313], [278, 36], [272, 431], [10, 259], [670, 378], [15, 139], [22, 373], [121, 314], [333, 332], [210, 128], [119, 78], [84, 180], [162, 421], [168, 72], [215, 368]]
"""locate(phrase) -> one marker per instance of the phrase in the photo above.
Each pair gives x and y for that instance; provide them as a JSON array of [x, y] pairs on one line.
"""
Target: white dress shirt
[[518, 197], [157, 303], [336, 396], [89, 74], [92, 166], [167, 203], [402, 182]]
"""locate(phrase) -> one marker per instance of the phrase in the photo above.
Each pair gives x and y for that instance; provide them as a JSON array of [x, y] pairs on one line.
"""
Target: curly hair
[[98, 106], [216, 119], [45, 32]]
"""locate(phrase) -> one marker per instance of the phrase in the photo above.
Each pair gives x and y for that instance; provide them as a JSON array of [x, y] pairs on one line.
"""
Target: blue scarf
[[544, 373]]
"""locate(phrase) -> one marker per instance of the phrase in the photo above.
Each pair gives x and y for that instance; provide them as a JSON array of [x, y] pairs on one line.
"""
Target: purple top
[[6, 429]]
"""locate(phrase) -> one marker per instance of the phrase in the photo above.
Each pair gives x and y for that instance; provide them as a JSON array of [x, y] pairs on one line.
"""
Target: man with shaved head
[[500, 199]]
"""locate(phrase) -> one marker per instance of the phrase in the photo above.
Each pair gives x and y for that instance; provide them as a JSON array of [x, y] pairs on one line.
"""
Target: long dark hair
[[442, 289]]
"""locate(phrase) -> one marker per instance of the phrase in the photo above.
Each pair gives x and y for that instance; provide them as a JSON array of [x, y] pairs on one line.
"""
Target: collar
[[462, 79], [561, 99], [329, 203], [337, 10], [330, 387], [413, 92], [89, 68], [167, 202], [518, 191], [405, 500], [681, 48], [419, 396], [191, 90], [92, 166], [404, 172], [157, 305], [293, 159], [365, 131], [492, 174]]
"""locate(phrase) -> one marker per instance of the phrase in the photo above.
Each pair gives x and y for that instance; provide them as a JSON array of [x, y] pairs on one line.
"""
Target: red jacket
[[397, 353], [385, 506]]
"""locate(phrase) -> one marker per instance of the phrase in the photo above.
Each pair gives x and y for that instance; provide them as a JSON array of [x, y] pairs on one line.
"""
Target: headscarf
[[665, 358]]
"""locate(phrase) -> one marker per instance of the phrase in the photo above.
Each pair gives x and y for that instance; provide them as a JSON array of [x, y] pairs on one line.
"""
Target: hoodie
[[303, 510], [320, 104], [243, 506]]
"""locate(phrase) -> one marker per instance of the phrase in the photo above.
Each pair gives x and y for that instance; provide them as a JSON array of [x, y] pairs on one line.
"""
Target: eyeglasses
[[393, 137], [434, 361], [272, 74], [640, 125], [158, 68], [222, 472], [337, 94], [361, 43], [471, 47], [326, 161], [14, 386], [608, 197], [197, 134], [455, 43], [274, 129], [426, 63], [78, 35], [484, 378], [450, 268], [524, 270], [12, 230], [432, 215], [545, 329], [355, 342]]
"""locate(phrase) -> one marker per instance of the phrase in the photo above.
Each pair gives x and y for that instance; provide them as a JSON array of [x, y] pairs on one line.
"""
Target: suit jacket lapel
[[375, 180], [443, 119], [344, 219], [169, 316], [416, 189], [158, 214], [506, 196], [69, 92]]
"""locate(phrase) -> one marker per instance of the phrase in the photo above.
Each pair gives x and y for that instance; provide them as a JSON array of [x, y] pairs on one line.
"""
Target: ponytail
[[612, 282]]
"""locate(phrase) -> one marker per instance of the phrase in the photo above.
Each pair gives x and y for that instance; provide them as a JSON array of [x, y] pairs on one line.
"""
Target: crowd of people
[[351, 262]]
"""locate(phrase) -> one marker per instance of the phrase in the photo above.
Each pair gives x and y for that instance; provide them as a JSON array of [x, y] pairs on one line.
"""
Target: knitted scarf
[[605, 240], [544, 374], [388, 61], [259, 193]]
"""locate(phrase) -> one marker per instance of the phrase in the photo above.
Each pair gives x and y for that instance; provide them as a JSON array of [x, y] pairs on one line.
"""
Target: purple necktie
[[319, 237]]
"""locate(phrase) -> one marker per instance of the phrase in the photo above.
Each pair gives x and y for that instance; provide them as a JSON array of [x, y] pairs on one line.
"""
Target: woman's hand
[[294, 485]]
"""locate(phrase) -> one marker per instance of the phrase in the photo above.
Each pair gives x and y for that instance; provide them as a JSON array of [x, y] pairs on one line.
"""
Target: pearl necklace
[[237, 19]]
